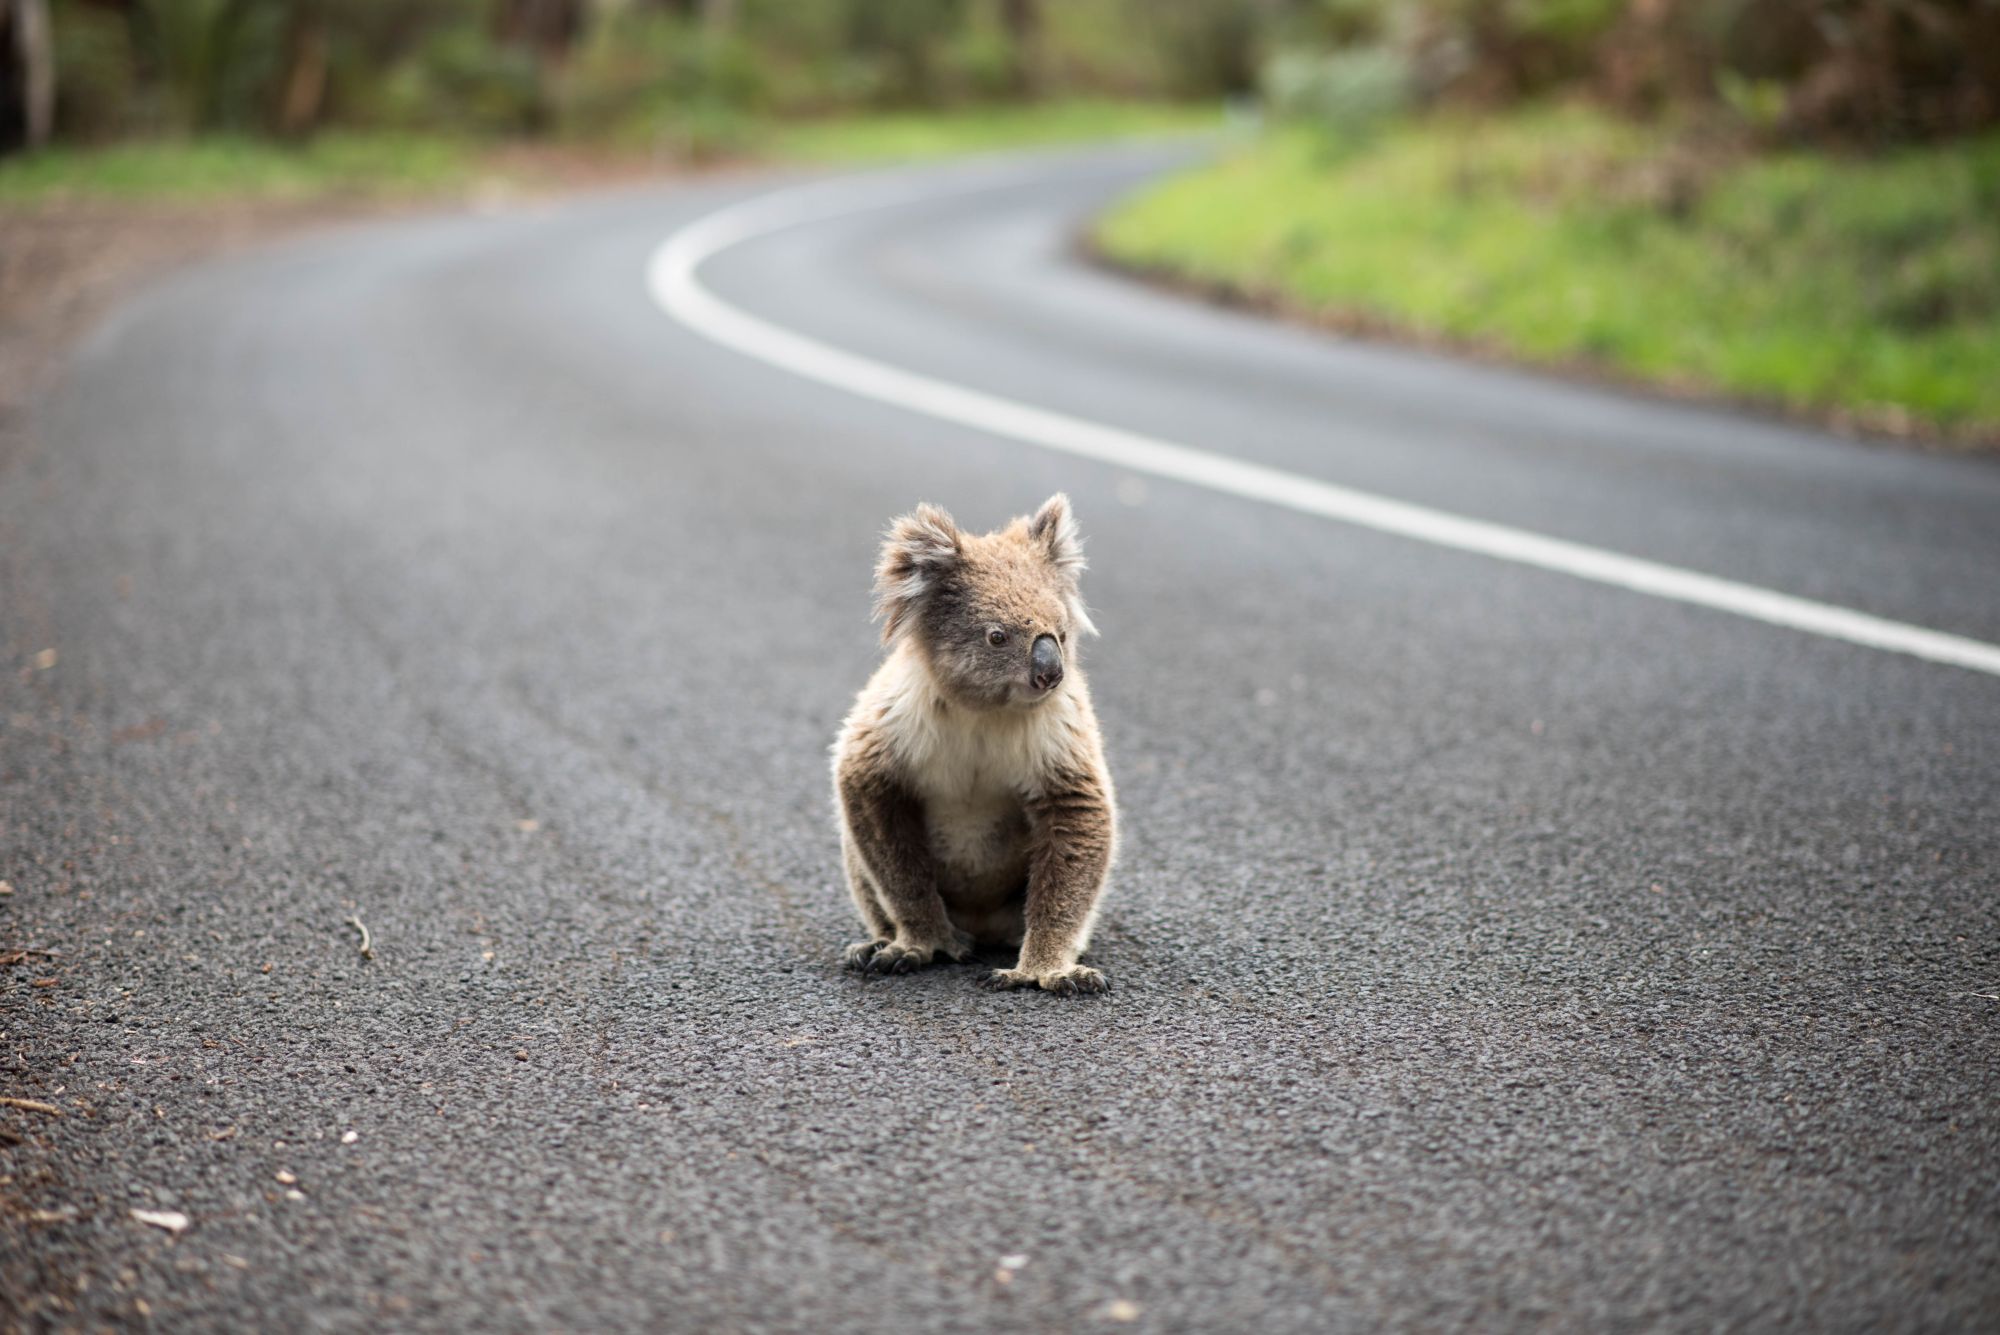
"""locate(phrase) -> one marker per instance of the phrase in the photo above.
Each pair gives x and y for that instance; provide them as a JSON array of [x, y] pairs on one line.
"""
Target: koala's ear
[[920, 550], [1054, 527]]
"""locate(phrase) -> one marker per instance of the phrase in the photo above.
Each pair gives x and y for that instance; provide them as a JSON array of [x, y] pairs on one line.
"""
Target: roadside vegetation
[[231, 166], [926, 134], [395, 163], [194, 97], [1865, 288], [1792, 204]]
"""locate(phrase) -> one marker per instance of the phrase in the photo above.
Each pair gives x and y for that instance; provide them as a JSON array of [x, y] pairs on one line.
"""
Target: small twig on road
[[367, 942], [32, 1105], [1990, 996]]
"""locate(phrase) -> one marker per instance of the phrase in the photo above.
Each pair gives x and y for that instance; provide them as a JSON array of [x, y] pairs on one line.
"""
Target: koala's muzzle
[[1045, 663]]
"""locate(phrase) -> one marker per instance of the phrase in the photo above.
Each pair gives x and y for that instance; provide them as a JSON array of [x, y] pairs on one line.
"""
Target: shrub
[[98, 94], [461, 79], [1348, 92]]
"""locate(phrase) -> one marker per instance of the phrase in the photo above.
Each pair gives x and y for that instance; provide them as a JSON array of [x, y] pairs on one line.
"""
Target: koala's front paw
[[1076, 980], [898, 957], [856, 956], [907, 954]]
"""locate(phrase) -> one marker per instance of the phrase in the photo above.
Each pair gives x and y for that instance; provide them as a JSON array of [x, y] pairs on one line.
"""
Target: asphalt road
[[1492, 949]]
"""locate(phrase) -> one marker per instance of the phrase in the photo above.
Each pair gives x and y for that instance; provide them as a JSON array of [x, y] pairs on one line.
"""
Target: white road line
[[673, 279]]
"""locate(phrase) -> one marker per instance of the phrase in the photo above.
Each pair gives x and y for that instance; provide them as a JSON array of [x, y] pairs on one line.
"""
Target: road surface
[[1492, 948]]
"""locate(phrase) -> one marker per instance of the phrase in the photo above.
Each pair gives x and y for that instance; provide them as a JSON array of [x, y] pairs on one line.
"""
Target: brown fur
[[975, 804]]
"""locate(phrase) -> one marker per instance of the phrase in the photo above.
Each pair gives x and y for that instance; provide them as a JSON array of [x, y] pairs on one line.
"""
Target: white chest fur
[[972, 789], [973, 771]]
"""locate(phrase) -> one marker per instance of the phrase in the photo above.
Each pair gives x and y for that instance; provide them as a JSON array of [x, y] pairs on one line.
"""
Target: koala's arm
[[885, 821], [1072, 832]]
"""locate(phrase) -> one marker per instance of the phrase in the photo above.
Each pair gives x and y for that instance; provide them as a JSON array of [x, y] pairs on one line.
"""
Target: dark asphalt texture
[[1492, 950]]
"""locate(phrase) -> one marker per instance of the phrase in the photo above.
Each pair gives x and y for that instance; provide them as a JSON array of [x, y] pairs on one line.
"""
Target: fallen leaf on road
[[171, 1220]]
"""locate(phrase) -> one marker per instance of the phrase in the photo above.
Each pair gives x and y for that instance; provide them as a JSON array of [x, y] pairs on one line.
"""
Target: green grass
[[892, 136], [1865, 287], [238, 168], [391, 164]]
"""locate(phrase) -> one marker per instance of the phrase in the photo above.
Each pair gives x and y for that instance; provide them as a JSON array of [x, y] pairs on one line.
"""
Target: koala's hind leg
[[1073, 837], [880, 929], [885, 829]]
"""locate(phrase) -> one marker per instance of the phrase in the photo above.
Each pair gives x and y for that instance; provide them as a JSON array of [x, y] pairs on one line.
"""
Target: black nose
[[1045, 663]]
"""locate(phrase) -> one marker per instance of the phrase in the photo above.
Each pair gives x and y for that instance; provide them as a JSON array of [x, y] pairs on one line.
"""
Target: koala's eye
[[996, 637]]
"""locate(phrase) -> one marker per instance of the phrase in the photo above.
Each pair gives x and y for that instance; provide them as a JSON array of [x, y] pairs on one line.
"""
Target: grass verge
[[218, 168], [1861, 291], [390, 165], [980, 129]]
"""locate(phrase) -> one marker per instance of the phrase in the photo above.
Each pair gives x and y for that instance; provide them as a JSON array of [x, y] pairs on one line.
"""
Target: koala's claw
[[1077, 980], [856, 956], [893, 957]]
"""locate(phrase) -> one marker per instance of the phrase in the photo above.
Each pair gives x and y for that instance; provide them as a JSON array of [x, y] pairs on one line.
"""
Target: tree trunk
[[27, 74], [303, 92], [1022, 20]]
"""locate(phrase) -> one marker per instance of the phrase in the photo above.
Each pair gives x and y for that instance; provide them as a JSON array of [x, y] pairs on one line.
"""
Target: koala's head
[[996, 616]]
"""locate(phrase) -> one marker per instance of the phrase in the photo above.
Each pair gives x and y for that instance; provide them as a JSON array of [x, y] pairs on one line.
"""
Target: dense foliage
[[1854, 70], [691, 69], [625, 68]]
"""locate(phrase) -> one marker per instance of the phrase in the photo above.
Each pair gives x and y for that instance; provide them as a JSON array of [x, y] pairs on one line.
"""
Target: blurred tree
[[547, 27], [1021, 20], [904, 36], [27, 74], [302, 87]]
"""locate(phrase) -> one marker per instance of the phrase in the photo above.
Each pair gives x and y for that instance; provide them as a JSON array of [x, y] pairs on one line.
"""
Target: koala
[[975, 806]]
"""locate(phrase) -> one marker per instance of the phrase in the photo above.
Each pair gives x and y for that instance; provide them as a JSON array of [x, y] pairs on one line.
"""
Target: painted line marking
[[673, 280]]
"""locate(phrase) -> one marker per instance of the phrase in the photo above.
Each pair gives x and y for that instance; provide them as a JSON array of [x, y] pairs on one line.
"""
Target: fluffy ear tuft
[[919, 550], [1054, 527]]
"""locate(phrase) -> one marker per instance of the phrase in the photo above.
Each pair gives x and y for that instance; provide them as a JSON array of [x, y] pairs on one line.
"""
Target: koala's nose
[[1045, 663]]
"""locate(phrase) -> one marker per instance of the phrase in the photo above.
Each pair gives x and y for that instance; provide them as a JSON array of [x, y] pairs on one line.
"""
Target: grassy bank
[[1859, 289], [219, 168], [977, 130], [403, 164]]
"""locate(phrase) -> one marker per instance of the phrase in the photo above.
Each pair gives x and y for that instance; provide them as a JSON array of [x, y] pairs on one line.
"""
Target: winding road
[[1561, 878]]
